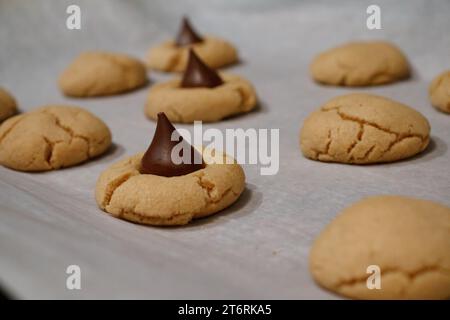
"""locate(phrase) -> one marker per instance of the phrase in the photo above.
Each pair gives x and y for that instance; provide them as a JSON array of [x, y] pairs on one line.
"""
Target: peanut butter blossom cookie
[[52, 137], [172, 55], [440, 92], [407, 239], [8, 106], [363, 128], [153, 189], [360, 64], [101, 74], [201, 94]]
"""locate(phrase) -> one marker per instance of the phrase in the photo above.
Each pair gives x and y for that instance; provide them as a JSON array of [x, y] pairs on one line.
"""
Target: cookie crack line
[[51, 147], [411, 276], [209, 198], [242, 96], [360, 121], [10, 129], [327, 146], [113, 185], [367, 154], [399, 137], [33, 159], [358, 140], [71, 133], [49, 152]]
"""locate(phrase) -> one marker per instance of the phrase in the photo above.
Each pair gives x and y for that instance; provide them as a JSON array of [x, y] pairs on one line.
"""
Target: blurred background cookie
[[101, 74], [360, 64], [440, 92], [8, 105], [408, 239]]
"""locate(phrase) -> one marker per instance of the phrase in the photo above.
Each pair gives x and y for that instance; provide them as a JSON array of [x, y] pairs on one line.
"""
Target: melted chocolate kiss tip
[[198, 74], [187, 35], [157, 159]]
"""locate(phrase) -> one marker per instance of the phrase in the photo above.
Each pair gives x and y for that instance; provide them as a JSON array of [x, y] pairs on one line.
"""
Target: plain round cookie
[[360, 64], [102, 73], [407, 238], [440, 92], [186, 105], [52, 137], [125, 193], [8, 106], [214, 51], [363, 128]]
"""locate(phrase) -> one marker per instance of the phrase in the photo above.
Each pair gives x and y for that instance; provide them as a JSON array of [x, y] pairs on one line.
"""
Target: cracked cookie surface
[[186, 105], [363, 128], [440, 92], [407, 238], [102, 73], [52, 137], [8, 106], [125, 193], [214, 51], [360, 64]]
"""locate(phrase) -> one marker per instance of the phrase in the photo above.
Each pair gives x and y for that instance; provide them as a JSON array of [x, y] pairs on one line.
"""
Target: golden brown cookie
[[440, 92], [186, 105], [360, 64], [214, 51], [125, 193], [406, 238], [8, 106], [102, 73], [363, 128], [52, 137]]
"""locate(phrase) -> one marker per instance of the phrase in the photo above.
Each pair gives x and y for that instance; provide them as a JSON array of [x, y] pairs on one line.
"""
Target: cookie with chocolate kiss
[[158, 157], [172, 55], [202, 94], [151, 189]]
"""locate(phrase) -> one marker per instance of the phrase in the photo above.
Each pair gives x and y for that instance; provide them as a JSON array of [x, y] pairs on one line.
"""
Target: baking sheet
[[256, 249]]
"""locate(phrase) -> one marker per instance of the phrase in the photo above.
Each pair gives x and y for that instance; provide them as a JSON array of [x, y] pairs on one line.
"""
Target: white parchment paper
[[259, 247]]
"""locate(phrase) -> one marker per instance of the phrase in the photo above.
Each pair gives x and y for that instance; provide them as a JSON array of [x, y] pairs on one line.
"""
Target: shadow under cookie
[[249, 201]]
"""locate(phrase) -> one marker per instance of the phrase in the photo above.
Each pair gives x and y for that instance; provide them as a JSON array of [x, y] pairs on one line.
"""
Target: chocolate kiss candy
[[198, 74], [157, 159], [186, 35]]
